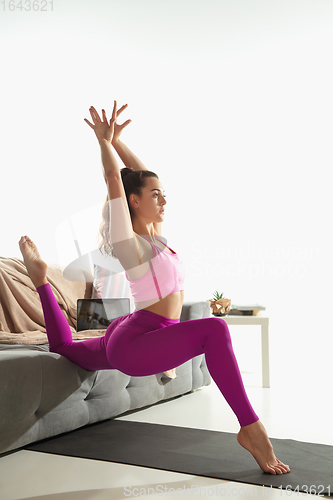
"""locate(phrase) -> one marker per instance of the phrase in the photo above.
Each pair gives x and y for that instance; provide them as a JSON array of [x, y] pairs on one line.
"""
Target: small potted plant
[[219, 305]]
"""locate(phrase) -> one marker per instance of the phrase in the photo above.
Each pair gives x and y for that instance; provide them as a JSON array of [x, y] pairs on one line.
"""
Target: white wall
[[231, 102]]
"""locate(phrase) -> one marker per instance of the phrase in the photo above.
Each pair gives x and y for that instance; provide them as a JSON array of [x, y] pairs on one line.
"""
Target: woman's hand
[[104, 131], [119, 128]]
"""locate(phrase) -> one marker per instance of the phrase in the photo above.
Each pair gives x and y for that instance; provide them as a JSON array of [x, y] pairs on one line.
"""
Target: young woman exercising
[[151, 339]]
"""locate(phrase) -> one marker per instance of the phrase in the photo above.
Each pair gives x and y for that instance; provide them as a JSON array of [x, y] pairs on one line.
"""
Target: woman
[[151, 339]]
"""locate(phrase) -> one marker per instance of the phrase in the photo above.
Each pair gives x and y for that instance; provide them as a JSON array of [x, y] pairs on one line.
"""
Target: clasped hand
[[104, 130]]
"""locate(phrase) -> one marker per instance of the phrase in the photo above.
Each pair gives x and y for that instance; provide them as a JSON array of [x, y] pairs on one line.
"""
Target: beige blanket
[[21, 314]]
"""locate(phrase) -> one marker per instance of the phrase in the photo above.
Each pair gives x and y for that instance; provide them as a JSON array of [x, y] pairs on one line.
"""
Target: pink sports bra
[[165, 276]]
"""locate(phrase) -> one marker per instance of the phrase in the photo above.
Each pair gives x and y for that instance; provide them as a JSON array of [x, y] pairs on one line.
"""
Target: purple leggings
[[144, 343]]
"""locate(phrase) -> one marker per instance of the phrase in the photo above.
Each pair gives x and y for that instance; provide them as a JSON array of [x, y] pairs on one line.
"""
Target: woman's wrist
[[103, 142]]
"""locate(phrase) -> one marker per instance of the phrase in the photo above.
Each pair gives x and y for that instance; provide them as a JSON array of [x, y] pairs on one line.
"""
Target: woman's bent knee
[[219, 321], [60, 349], [220, 326]]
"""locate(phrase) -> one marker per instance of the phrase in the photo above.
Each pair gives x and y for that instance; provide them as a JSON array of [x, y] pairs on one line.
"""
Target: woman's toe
[[285, 468]]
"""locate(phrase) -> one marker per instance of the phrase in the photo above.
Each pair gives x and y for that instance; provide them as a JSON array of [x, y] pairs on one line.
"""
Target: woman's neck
[[145, 229]]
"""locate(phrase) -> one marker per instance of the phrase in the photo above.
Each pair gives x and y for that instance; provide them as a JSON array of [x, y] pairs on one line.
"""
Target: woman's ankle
[[40, 283]]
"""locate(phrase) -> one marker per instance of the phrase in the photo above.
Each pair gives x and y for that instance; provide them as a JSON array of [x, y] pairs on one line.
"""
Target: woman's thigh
[[91, 353], [139, 350]]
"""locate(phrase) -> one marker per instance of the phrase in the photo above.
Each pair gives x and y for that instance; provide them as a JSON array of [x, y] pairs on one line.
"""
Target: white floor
[[296, 407]]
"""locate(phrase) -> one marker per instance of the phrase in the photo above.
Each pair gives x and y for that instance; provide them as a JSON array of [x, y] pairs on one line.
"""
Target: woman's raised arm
[[104, 132], [121, 229], [125, 154]]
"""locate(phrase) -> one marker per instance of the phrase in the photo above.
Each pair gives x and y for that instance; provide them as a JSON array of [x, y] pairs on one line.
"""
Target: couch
[[43, 394]]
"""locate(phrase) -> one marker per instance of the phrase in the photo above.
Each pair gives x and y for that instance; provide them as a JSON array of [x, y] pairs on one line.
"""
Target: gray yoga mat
[[197, 452]]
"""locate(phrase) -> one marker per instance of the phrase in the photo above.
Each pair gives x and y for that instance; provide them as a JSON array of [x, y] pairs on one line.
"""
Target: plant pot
[[220, 307]]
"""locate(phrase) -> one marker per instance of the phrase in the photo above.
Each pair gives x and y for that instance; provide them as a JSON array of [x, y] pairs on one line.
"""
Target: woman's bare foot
[[36, 267], [254, 438]]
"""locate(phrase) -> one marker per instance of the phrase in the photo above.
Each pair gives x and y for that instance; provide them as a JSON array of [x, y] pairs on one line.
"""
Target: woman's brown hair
[[133, 182]]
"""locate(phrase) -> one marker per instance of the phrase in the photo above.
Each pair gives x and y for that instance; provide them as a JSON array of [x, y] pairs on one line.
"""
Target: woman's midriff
[[169, 307]]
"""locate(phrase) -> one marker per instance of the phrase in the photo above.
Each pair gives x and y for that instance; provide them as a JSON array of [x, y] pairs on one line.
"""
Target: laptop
[[98, 314]]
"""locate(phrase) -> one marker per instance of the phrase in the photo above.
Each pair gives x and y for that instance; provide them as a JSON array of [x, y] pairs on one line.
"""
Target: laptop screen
[[98, 314]]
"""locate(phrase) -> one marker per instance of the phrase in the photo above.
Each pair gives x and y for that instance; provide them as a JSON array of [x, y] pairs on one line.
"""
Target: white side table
[[263, 321]]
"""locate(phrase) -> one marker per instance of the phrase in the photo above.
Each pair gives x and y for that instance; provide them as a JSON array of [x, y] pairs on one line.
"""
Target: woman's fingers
[[95, 117], [104, 116], [94, 114], [120, 110], [114, 113], [123, 125], [90, 124]]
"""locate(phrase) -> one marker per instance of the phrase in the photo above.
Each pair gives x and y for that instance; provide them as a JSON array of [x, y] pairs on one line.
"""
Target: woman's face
[[150, 205]]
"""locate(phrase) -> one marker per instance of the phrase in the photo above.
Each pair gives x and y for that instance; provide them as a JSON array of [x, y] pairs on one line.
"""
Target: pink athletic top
[[165, 276]]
